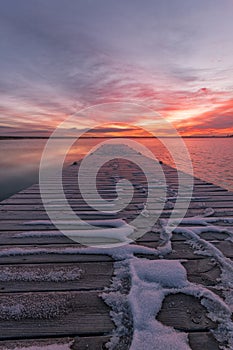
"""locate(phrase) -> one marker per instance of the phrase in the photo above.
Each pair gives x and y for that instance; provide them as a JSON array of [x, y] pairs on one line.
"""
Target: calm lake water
[[20, 159]]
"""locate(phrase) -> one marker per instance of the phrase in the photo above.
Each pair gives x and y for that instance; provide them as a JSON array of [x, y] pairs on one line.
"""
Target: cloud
[[57, 58], [215, 121]]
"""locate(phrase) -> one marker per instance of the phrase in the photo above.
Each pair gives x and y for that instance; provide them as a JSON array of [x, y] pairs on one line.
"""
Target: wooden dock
[[51, 295]]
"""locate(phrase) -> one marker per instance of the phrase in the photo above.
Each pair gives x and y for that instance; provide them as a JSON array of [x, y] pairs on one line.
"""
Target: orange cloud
[[217, 121], [117, 130]]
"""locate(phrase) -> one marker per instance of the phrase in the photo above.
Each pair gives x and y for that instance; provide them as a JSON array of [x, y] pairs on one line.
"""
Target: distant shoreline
[[106, 137]]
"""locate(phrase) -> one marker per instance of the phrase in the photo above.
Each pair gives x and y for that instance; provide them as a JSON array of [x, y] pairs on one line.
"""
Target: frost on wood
[[150, 281], [116, 229], [40, 274], [140, 286], [33, 306], [38, 345]]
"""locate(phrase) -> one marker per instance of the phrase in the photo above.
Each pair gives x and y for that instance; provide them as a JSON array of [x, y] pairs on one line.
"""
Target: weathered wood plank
[[77, 343], [55, 277], [42, 215], [196, 193], [19, 238], [202, 271], [185, 313], [68, 253], [47, 254], [86, 276], [208, 236], [63, 314], [53, 314], [74, 202], [21, 216], [197, 341], [218, 212], [38, 237], [55, 199], [203, 340], [182, 250]]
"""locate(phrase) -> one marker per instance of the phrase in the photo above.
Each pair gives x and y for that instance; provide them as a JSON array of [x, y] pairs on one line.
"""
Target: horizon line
[[5, 137]]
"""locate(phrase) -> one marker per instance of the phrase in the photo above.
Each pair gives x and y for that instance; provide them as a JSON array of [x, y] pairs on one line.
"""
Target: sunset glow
[[174, 58]]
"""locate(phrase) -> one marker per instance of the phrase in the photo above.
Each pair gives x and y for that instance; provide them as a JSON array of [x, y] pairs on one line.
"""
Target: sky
[[173, 56]]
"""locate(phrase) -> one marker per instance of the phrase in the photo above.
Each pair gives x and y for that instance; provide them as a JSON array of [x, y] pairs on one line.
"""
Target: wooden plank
[[18, 238], [73, 190], [112, 186], [68, 253], [221, 202], [208, 236], [38, 237], [86, 276], [47, 254], [200, 187], [182, 250], [42, 215], [45, 225], [218, 212], [185, 313], [197, 341], [84, 312], [20, 217], [28, 225], [55, 277], [53, 314], [70, 189], [203, 340], [108, 185], [202, 271], [194, 205], [77, 343]]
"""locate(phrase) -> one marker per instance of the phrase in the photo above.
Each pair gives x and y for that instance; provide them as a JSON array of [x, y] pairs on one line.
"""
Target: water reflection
[[20, 159]]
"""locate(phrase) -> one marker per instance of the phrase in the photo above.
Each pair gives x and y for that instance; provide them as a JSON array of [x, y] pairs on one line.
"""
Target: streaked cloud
[[58, 57]]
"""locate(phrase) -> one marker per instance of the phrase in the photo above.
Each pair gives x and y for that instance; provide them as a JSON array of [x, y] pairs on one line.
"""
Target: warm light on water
[[211, 157]]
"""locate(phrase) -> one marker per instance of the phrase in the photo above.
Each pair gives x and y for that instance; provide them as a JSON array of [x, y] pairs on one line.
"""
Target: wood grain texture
[[182, 250], [55, 277], [185, 313], [197, 341], [53, 314]]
